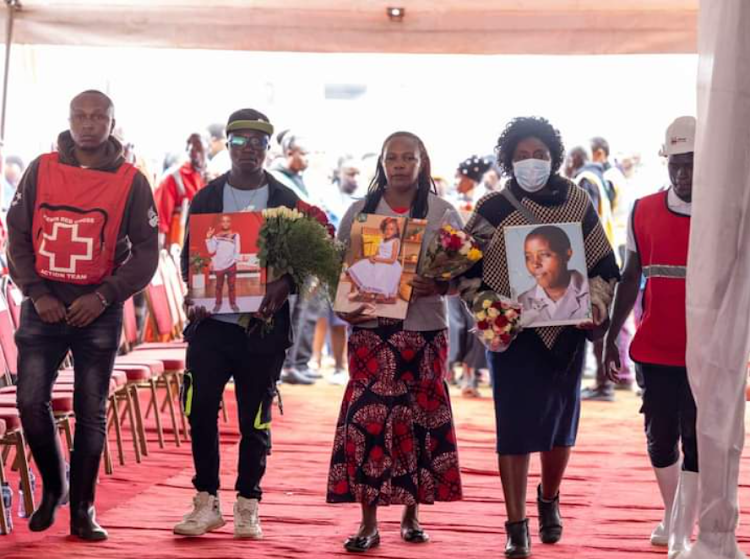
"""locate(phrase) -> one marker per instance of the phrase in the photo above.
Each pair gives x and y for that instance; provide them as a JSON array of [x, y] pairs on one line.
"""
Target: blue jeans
[[41, 349]]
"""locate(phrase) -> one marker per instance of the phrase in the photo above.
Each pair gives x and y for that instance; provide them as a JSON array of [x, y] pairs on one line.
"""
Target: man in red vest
[[178, 189], [657, 249], [82, 239]]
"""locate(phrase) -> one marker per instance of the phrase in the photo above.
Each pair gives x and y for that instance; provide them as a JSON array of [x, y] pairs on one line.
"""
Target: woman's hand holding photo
[[361, 314], [426, 287]]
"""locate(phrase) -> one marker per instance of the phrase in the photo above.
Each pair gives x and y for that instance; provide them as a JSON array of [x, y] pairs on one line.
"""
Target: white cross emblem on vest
[[56, 238]]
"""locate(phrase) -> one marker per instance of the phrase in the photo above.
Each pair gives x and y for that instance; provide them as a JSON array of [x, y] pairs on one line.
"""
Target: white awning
[[456, 26]]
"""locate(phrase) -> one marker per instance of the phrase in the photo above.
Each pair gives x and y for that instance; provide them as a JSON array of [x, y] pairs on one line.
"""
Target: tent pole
[[12, 6]]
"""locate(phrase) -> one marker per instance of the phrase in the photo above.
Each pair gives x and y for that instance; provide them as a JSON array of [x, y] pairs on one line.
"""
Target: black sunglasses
[[254, 141]]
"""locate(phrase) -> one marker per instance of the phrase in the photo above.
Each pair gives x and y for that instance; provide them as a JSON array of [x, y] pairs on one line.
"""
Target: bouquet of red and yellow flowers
[[498, 320], [300, 242], [451, 253]]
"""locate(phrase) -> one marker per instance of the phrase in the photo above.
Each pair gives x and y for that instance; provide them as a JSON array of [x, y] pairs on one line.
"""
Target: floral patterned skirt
[[395, 442]]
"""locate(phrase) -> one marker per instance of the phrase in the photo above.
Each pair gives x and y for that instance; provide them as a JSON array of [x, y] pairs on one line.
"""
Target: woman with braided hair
[[395, 442], [536, 381]]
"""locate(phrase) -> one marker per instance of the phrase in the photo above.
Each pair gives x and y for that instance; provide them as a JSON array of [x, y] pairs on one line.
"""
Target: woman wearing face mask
[[536, 381], [395, 442]]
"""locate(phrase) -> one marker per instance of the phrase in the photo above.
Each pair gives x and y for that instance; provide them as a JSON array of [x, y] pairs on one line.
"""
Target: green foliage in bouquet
[[293, 243]]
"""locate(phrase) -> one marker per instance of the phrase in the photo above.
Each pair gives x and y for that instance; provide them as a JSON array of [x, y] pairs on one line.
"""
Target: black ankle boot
[[83, 524], [550, 522], [83, 473], [50, 465], [519, 541]]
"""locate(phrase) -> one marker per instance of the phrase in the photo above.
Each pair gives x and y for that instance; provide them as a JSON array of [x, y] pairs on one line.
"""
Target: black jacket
[[210, 200]]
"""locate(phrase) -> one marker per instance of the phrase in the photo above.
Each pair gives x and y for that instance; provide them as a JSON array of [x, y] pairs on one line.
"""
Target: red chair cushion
[[172, 360], [120, 378], [135, 373], [156, 366], [11, 418], [177, 344], [62, 402]]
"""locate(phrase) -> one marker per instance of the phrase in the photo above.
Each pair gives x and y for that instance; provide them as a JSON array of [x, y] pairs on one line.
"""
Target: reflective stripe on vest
[[659, 271], [662, 238]]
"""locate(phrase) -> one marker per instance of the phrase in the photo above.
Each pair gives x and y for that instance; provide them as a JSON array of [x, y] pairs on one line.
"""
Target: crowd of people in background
[[320, 337]]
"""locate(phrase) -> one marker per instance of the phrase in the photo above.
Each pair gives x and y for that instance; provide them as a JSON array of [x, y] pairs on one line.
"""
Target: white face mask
[[532, 174]]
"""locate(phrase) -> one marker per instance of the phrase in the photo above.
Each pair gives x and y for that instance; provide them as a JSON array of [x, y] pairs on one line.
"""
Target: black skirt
[[537, 405]]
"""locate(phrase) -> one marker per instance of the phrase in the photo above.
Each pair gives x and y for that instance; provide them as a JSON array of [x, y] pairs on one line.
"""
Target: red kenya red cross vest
[[77, 218], [662, 237]]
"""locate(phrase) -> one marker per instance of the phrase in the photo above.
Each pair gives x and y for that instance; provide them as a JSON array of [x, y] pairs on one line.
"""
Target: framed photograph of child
[[381, 261], [548, 274], [224, 275]]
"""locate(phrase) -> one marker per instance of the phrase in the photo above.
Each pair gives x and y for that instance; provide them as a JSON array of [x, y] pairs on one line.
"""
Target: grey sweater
[[425, 313]]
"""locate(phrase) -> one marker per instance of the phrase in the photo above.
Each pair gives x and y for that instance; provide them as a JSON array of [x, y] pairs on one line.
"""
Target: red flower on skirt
[[425, 398], [377, 453], [374, 428], [433, 445], [452, 475], [407, 445]]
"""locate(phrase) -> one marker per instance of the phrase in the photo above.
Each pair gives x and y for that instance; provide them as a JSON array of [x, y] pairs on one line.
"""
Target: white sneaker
[[339, 377], [246, 520], [205, 517]]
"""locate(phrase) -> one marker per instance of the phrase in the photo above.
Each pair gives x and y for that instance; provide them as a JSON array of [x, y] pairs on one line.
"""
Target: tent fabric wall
[[718, 281], [456, 26]]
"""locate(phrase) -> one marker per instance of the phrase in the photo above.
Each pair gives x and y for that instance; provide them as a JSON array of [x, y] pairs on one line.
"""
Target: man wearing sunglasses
[[220, 347]]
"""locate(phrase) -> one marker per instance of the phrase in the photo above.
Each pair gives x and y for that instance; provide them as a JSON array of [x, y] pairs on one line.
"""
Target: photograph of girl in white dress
[[547, 274], [378, 276]]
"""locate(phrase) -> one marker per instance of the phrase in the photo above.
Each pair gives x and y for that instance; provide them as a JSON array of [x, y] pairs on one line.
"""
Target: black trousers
[[218, 351], [41, 349], [305, 315], [669, 414]]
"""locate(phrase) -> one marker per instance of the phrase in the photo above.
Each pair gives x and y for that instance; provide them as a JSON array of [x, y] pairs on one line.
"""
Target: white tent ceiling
[[429, 26]]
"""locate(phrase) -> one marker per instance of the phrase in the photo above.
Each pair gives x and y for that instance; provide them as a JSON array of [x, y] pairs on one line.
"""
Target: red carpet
[[609, 499]]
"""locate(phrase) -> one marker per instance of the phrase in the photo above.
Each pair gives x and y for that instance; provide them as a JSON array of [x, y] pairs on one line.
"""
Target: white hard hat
[[680, 137]]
